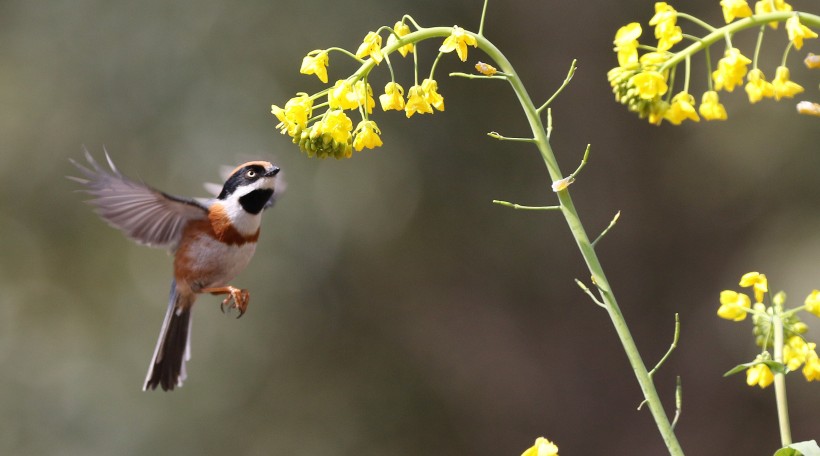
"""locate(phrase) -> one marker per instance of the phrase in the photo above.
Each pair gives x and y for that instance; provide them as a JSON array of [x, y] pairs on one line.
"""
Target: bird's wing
[[148, 216]]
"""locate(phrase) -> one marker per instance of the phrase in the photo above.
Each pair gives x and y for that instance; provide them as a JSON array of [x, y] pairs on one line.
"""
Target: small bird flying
[[212, 241]]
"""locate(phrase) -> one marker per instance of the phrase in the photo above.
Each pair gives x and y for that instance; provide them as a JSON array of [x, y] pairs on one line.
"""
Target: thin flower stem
[[695, 20], [786, 53], [526, 208], [606, 230], [435, 64], [757, 46], [498, 136], [708, 68], [589, 293], [483, 16], [587, 250], [672, 347], [413, 21], [345, 52], [458, 74], [678, 402], [780, 384], [570, 73]]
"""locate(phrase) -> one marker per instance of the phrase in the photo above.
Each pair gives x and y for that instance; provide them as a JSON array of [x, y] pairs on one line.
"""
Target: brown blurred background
[[394, 309]]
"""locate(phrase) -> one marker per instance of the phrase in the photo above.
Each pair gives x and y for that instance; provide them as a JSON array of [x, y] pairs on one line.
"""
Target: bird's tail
[[173, 348]]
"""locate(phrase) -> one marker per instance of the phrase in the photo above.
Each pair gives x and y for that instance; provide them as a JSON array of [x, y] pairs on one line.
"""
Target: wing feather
[[146, 215]]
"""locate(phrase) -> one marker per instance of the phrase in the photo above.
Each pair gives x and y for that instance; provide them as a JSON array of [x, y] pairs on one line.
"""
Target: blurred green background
[[394, 309]]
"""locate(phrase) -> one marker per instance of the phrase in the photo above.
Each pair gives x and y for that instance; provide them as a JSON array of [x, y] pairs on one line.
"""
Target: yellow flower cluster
[[331, 134], [797, 351], [642, 82]]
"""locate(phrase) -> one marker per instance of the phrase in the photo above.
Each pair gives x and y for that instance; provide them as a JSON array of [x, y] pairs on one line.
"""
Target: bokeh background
[[394, 309]]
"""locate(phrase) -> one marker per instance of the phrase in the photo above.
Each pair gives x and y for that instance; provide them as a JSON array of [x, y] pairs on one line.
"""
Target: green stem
[[736, 26], [587, 250], [570, 214], [780, 383]]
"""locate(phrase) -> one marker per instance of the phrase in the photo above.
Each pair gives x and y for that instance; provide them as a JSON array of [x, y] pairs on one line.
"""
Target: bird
[[212, 241]]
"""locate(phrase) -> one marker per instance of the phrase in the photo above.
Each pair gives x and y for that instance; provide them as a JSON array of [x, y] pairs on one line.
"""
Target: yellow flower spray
[[777, 329], [645, 83]]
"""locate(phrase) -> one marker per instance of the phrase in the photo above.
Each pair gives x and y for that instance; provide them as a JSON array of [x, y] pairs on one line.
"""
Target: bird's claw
[[237, 299]]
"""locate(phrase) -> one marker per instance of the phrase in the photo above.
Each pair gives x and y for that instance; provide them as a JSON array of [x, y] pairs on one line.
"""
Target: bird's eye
[[251, 173]]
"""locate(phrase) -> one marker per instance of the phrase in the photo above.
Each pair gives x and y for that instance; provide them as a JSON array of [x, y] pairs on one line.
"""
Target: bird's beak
[[272, 172]]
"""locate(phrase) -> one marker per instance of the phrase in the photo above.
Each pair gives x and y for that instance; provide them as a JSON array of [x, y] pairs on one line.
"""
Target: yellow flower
[[812, 61], [664, 21], [681, 108], [364, 96], [735, 8], [796, 352], [731, 69], [653, 60], [757, 87], [812, 368], [371, 46], [664, 15], [797, 31], [485, 68], [458, 41], [338, 125], [783, 87], [416, 102], [366, 135], [399, 30], [315, 63], [431, 95], [626, 44], [342, 95], [293, 118], [733, 305], [813, 302], [710, 107], [650, 84], [758, 282], [393, 97], [542, 447], [759, 374], [769, 6], [669, 37]]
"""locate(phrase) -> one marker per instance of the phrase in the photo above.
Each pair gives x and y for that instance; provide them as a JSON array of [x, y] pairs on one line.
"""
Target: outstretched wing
[[148, 216]]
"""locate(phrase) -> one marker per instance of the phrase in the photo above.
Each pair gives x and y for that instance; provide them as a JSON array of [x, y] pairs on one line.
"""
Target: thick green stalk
[[587, 250], [780, 383]]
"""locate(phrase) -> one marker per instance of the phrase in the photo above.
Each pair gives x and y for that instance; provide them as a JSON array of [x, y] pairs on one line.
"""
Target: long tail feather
[[173, 349]]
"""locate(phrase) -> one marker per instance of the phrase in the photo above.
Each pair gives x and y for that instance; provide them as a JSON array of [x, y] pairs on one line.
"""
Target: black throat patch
[[256, 200]]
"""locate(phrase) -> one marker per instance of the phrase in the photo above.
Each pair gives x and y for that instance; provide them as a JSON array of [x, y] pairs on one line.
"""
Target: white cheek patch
[[244, 222]]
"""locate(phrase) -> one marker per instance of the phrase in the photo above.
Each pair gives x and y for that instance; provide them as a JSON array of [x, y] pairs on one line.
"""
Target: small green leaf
[[776, 368], [740, 368], [807, 448]]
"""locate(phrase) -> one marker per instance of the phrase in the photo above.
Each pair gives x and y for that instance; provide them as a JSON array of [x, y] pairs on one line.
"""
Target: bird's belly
[[207, 262]]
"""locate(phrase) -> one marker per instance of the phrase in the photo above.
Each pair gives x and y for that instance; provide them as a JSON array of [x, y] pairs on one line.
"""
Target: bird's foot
[[237, 298]]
